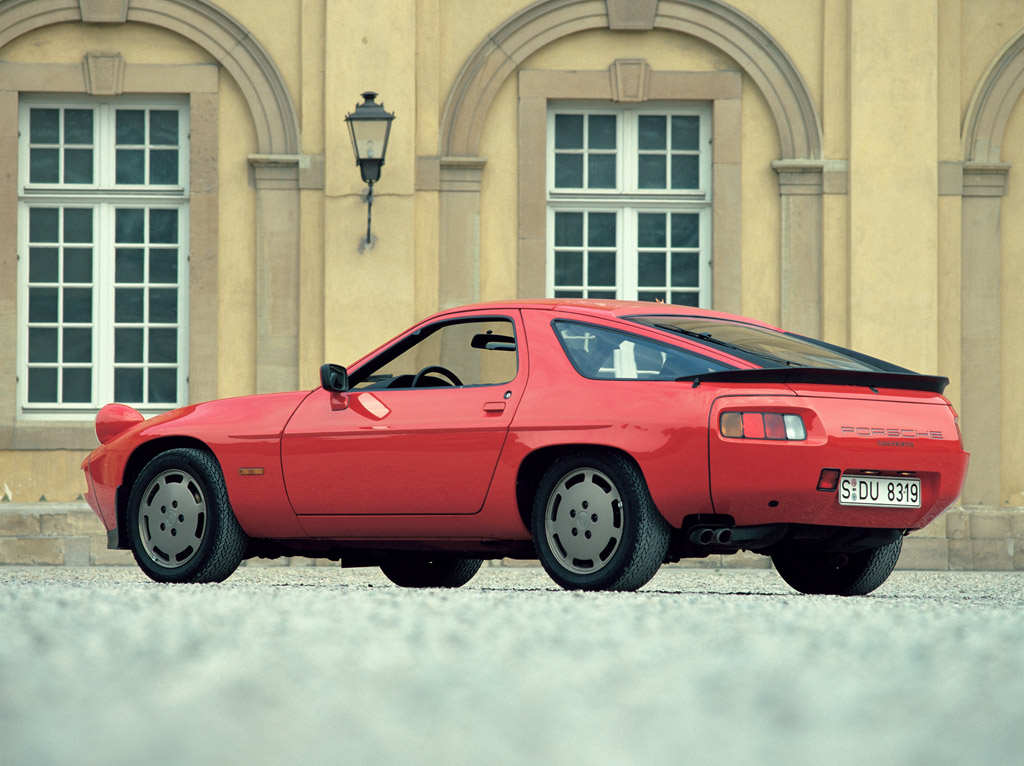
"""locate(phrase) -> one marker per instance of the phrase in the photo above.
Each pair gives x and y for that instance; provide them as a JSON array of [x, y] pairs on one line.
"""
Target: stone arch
[[737, 35], [984, 184], [224, 38], [275, 164], [800, 166]]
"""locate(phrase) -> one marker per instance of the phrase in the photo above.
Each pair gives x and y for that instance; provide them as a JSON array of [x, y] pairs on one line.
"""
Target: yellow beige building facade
[[845, 168]]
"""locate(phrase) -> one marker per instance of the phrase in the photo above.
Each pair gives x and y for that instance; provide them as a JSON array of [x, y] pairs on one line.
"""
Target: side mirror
[[334, 378]]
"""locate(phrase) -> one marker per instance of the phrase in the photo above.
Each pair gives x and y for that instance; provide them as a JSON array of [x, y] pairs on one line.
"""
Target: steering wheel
[[435, 368]]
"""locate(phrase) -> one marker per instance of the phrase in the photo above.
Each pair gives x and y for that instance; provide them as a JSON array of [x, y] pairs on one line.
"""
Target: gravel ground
[[101, 666]]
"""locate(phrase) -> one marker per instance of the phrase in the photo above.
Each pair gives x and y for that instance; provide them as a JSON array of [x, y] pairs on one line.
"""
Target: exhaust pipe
[[711, 536], [702, 536]]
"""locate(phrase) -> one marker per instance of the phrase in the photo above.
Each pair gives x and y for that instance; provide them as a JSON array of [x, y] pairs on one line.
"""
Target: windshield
[[767, 348]]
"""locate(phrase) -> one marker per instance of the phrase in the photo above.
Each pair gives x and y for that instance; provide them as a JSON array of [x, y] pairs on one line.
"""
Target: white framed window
[[102, 254], [629, 202]]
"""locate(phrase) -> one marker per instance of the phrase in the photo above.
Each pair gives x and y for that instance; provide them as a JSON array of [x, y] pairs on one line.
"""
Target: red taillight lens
[[828, 481], [776, 426]]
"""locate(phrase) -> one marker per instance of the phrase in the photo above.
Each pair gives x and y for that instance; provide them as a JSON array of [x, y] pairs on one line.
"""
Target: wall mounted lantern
[[369, 127]]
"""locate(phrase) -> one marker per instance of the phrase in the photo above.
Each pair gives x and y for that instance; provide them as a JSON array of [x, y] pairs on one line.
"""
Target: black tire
[[433, 571], [595, 526], [837, 574], [180, 524]]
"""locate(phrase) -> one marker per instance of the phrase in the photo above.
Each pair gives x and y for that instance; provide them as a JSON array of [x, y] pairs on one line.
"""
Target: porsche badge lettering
[[889, 433]]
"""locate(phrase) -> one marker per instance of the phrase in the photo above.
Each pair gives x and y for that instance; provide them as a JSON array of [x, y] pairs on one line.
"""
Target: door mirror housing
[[334, 378]]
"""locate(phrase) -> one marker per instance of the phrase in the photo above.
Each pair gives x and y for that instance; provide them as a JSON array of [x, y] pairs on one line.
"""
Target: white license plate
[[880, 490]]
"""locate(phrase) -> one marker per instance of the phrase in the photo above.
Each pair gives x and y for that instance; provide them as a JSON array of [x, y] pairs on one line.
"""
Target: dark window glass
[[604, 354]]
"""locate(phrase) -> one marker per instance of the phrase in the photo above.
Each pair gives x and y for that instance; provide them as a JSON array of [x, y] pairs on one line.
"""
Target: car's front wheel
[[595, 526], [837, 574], [180, 524], [431, 571]]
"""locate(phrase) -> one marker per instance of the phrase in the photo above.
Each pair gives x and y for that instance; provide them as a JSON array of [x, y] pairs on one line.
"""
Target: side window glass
[[478, 352], [603, 354]]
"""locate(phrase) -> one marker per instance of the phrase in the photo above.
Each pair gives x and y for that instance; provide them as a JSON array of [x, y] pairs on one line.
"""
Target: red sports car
[[603, 438]]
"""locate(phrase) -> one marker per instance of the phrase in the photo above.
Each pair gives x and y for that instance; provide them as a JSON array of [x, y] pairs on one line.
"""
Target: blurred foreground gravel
[[323, 665]]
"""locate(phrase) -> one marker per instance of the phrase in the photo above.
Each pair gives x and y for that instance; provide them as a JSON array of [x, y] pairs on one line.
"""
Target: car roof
[[607, 309]]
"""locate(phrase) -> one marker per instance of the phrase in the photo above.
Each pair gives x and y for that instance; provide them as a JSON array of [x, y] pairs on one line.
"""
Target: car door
[[387, 446]]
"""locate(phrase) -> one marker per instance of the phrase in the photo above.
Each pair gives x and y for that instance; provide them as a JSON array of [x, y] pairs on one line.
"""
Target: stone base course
[[962, 539]]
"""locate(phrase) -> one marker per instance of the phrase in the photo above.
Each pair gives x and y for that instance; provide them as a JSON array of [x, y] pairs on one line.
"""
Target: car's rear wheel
[[180, 524], [837, 574], [433, 571], [595, 526]]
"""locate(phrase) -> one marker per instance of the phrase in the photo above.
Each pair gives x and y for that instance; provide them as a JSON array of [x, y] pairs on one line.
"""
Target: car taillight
[[774, 426]]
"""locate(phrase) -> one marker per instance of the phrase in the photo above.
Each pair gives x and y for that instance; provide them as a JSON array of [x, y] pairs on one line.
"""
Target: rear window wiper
[[708, 337]]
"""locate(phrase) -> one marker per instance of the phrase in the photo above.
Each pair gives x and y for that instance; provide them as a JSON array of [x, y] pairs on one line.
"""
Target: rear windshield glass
[[766, 348], [604, 354]]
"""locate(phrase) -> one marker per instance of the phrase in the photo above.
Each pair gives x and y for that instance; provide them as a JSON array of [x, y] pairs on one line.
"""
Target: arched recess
[[220, 35], [275, 163], [761, 58], [984, 184]]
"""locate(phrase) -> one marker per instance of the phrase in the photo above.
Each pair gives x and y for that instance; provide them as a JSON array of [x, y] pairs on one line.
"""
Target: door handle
[[494, 407]]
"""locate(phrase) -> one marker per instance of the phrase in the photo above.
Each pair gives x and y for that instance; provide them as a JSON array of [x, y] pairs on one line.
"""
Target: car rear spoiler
[[908, 381]]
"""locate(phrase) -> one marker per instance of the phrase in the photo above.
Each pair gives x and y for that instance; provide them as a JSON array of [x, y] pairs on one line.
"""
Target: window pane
[[163, 386], [685, 132], [568, 293], [651, 169], [77, 344], [163, 305], [163, 266], [685, 270], [128, 385], [602, 294], [686, 299], [131, 125], [78, 264], [163, 345], [568, 131], [602, 131], [78, 126], [163, 226], [601, 231], [651, 269], [42, 384], [653, 296], [129, 265], [601, 269], [651, 230], [601, 171], [78, 166], [129, 225], [42, 344], [685, 230], [77, 224], [128, 305], [569, 267], [128, 344], [77, 304], [131, 166], [42, 264], [42, 224], [685, 171], [44, 166], [42, 304], [163, 166], [652, 132], [163, 127], [77, 385], [568, 229], [44, 126], [569, 171]]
